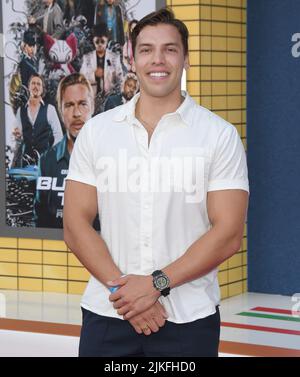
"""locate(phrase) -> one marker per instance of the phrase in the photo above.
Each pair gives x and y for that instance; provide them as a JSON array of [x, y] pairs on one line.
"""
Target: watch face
[[161, 282]]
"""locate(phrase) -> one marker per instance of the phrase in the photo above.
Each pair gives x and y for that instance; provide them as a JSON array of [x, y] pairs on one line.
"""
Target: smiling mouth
[[158, 74]]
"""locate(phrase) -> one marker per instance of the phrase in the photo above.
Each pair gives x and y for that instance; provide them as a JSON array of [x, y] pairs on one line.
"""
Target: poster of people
[[52, 48]]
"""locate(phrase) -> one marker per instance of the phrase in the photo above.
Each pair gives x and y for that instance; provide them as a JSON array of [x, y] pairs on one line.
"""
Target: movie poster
[[44, 42]]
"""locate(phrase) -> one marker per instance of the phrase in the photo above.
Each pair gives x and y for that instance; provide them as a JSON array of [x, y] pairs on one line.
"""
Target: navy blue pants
[[111, 337]]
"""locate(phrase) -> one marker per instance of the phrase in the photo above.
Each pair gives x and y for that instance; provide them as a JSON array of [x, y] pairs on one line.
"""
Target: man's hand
[[135, 295], [150, 320], [17, 133]]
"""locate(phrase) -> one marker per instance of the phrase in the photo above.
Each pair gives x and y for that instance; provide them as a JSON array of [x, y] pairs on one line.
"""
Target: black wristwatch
[[161, 282]]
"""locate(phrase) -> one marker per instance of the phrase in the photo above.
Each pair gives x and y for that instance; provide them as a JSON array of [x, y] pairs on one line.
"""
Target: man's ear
[[186, 62], [133, 66]]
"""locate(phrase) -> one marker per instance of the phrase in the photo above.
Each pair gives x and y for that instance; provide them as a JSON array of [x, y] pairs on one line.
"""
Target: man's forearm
[[91, 250], [205, 254], [137, 292]]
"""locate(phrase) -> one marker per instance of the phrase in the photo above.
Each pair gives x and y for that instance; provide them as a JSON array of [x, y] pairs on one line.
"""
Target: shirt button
[[146, 244]]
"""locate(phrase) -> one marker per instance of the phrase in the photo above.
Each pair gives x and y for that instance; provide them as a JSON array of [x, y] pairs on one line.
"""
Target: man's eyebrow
[[152, 44], [145, 44], [72, 102]]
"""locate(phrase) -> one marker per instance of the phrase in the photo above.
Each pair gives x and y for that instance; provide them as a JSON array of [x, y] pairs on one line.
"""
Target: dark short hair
[[162, 16], [29, 38], [130, 23], [100, 30]]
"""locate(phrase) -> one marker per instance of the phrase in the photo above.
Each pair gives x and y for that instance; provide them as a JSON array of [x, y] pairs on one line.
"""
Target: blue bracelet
[[113, 289]]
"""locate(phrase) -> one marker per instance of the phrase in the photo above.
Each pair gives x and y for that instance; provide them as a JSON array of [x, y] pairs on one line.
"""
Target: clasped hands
[[137, 301]]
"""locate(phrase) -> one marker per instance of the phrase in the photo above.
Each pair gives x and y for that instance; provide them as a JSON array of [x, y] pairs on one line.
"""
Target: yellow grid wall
[[216, 80]]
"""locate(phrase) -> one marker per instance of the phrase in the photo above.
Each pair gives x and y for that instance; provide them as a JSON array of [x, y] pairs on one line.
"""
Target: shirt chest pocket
[[189, 168]]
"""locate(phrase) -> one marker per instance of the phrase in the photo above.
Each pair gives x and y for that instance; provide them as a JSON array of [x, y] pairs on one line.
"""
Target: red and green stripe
[[275, 314], [270, 316]]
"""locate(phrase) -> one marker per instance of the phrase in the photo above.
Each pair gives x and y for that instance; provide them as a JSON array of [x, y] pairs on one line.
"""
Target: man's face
[[76, 108], [35, 87], [30, 50], [130, 87], [100, 43], [159, 60]]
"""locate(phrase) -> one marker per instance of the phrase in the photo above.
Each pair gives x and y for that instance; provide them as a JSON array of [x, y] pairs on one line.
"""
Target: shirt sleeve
[[81, 167], [55, 124], [18, 122], [229, 166]]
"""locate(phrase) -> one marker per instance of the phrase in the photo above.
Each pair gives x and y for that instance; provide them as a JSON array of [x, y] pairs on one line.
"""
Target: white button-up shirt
[[152, 198]]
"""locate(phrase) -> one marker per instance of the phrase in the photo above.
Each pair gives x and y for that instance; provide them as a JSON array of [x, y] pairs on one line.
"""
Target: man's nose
[[76, 111], [158, 57]]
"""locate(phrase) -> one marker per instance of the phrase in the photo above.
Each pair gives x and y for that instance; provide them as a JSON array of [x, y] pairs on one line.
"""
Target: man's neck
[[70, 143], [152, 109], [100, 54], [29, 56], [34, 101]]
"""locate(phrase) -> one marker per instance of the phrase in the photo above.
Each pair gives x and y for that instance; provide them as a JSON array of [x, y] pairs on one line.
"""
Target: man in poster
[[129, 88], [110, 13], [76, 106], [52, 22], [37, 123], [28, 64], [94, 61]]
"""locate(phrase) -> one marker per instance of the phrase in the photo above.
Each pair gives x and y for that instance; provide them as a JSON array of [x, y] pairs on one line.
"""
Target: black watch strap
[[156, 273], [165, 291]]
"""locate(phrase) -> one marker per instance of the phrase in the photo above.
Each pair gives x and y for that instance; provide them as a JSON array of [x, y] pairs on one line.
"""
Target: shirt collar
[[41, 101], [29, 57], [62, 150], [184, 111]]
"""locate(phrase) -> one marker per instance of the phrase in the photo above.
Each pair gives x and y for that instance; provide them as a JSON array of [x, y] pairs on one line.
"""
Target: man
[[127, 48], [170, 180], [111, 14], [129, 89], [52, 21], [28, 64], [76, 106], [94, 61], [37, 123]]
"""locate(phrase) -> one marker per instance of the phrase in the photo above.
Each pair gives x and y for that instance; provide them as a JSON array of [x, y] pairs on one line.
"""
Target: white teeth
[[158, 74]]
